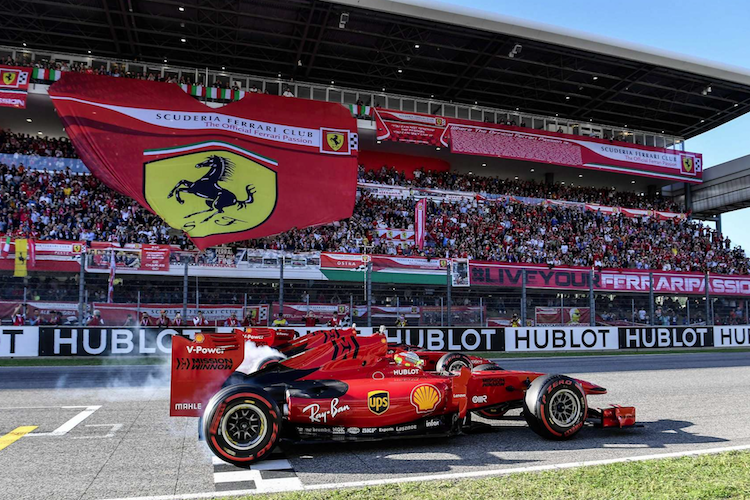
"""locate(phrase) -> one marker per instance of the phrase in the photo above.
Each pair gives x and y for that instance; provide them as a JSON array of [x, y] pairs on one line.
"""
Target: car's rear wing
[[200, 367]]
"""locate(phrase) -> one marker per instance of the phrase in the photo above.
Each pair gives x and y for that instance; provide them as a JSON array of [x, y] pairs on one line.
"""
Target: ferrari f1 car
[[348, 387]]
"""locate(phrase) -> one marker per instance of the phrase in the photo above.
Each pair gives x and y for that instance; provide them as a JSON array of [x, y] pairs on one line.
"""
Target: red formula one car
[[347, 387]]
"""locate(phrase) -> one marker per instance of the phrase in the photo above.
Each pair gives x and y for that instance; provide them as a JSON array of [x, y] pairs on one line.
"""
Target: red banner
[[51, 255], [255, 167], [14, 85], [381, 262], [155, 257], [540, 146], [559, 316], [133, 256], [613, 280]]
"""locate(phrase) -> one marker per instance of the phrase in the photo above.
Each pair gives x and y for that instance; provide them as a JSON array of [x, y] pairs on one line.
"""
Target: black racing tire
[[555, 407], [241, 424], [452, 363], [269, 360]]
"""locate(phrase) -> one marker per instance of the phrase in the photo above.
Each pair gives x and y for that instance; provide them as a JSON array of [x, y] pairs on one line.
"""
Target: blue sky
[[713, 31]]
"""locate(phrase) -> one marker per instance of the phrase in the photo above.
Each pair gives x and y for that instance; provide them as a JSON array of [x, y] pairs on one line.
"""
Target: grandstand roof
[[406, 48]]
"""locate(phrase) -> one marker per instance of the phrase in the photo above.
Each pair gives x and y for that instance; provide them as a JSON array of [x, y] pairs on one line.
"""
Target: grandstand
[[529, 209]]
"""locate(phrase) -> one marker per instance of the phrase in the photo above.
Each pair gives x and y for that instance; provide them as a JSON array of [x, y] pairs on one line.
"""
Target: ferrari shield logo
[[335, 140], [205, 189], [378, 401], [9, 78], [687, 163]]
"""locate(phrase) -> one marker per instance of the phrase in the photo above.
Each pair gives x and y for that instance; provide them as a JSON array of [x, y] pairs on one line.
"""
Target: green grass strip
[[706, 477]]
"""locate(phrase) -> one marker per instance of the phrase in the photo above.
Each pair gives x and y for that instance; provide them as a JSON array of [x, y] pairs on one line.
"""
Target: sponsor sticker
[[188, 406], [317, 416], [378, 401], [479, 399], [425, 398]]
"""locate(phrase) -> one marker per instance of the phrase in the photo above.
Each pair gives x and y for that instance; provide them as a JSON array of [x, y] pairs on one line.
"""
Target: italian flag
[[6, 247], [360, 110], [194, 90], [51, 75]]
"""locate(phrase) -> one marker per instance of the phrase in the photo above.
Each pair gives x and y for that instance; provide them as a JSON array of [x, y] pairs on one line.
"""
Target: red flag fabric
[[420, 217], [255, 167]]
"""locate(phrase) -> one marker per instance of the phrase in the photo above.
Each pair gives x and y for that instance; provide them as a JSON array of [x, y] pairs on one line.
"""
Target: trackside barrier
[[49, 341]]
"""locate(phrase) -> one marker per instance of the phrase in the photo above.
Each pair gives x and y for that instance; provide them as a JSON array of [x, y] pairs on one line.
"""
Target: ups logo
[[218, 189], [378, 401]]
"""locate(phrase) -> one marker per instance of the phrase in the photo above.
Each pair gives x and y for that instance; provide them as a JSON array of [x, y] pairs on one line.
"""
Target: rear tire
[[452, 363], [241, 424], [555, 407]]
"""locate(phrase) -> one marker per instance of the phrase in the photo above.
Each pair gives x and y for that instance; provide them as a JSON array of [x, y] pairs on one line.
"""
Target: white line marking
[[70, 424], [38, 407], [624, 445], [237, 475], [457, 475], [113, 428]]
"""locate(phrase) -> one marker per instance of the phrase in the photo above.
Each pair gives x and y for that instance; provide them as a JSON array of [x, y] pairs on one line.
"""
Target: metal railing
[[366, 302]]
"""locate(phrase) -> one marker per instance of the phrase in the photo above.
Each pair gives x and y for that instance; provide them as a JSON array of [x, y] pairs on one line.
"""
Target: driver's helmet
[[408, 358]]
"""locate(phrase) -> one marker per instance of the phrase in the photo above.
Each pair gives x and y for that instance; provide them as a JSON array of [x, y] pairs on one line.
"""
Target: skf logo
[[378, 401], [425, 398], [210, 188], [335, 141]]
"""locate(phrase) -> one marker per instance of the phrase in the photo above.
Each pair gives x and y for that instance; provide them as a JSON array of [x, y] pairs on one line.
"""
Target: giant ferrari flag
[[253, 168]]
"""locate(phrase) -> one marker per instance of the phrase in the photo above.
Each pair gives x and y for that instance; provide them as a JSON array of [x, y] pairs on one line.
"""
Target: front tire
[[451, 363], [241, 424], [555, 407]]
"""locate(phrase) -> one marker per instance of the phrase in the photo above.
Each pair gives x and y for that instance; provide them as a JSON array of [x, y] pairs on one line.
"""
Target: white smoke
[[256, 355]]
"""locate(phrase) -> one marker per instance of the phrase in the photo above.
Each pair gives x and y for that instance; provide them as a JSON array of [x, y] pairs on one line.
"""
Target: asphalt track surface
[[104, 432]]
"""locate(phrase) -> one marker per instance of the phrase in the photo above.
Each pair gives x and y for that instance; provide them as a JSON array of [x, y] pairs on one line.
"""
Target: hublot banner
[[122, 341], [666, 337], [118, 341], [449, 339]]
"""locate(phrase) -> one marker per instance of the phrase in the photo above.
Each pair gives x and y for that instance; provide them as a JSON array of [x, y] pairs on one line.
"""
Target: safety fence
[[51, 341]]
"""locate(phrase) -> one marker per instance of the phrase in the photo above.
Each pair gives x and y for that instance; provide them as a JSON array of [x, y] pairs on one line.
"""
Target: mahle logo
[[210, 188]]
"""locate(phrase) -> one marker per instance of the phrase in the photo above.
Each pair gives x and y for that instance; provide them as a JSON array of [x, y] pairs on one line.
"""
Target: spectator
[[96, 319], [248, 320], [36, 318], [178, 321], [334, 321], [129, 321], [145, 319], [232, 320], [163, 320], [287, 92], [280, 320], [199, 320], [310, 319]]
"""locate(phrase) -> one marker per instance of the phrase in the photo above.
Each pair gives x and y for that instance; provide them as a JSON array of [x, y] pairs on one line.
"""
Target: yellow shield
[[211, 191], [335, 140], [9, 77], [687, 163]]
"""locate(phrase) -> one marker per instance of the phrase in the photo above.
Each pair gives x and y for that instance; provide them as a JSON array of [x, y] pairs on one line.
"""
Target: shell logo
[[425, 398], [199, 338]]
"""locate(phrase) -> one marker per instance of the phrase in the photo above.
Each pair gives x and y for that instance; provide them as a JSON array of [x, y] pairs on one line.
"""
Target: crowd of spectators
[[67, 206], [452, 181]]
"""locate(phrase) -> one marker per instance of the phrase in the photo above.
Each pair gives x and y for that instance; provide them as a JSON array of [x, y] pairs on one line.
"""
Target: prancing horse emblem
[[217, 198]]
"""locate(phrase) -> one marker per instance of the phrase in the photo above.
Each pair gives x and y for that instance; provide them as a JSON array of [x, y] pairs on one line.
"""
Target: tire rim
[[456, 366], [243, 426], [564, 408]]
